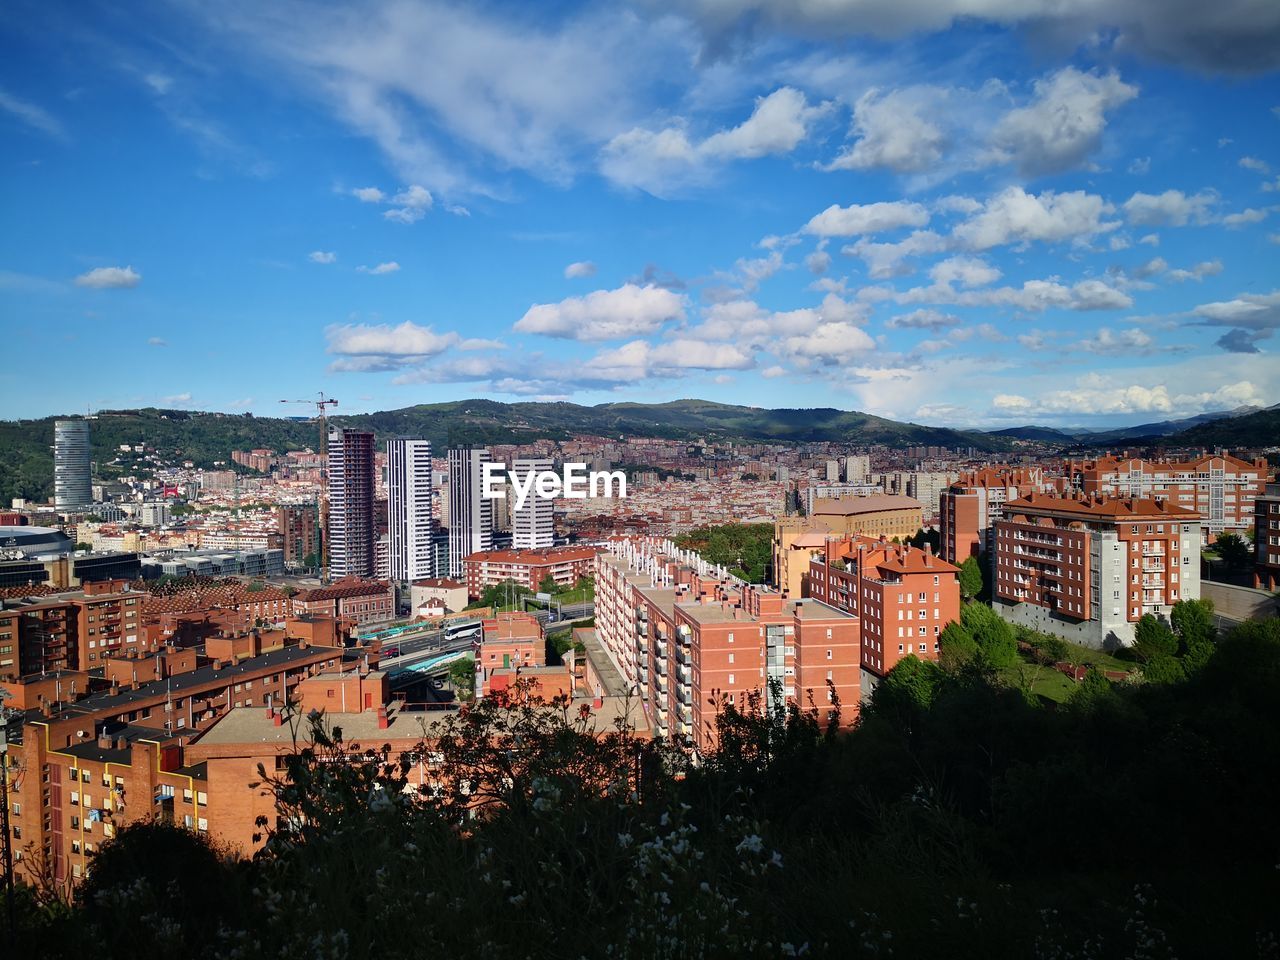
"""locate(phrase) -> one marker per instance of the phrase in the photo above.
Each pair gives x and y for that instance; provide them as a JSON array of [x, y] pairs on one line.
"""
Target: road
[[434, 642]]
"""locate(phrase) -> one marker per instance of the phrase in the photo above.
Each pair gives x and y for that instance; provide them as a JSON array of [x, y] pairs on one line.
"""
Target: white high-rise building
[[71, 482], [410, 526], [532, 525], [470, 514]]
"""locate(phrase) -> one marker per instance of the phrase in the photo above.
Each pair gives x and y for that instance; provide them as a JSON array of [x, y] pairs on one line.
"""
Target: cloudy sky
[[961, 212]]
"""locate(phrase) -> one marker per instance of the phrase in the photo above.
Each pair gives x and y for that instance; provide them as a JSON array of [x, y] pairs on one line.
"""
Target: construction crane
[[322, 403]]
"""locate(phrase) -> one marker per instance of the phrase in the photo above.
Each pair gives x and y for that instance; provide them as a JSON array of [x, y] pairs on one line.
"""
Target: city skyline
[[1065, 220]]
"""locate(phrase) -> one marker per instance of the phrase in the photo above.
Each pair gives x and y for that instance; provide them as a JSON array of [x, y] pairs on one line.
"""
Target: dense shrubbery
[[959, 819], [745, 549]]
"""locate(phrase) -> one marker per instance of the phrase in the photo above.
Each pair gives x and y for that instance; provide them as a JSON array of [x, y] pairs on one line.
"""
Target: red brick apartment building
[[94, 753], [1089, 569], [903, 597], [683, 634], [1221, 488], [968, 508], [528, 568], [352, 599], [71, 630], [1266, 544], [510, 641]]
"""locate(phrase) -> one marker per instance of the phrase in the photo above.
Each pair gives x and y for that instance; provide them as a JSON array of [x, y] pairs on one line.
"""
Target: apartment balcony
[[684, 674], [661, 646], [662, 683], [684, 694], [661, 706], [662, 667], [682, 656], [686, 716]]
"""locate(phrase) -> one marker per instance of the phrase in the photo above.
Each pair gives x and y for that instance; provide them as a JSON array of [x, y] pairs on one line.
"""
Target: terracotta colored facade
[[528, 568], [1089, 569], [904, 597]]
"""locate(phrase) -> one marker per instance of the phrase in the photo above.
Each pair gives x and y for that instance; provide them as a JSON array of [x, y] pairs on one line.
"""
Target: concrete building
[[470, 513], [352, 526], [72, 487], [154, 514], [857, 469], [904, 598], [1221, 488], [450, 596], [1088, 570], [532, 524], [410, 524]]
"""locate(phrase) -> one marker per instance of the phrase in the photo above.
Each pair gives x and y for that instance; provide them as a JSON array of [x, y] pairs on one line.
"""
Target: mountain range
[[206, 439]]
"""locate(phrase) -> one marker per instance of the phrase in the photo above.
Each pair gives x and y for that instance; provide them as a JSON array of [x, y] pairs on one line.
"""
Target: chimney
[[277, 719]]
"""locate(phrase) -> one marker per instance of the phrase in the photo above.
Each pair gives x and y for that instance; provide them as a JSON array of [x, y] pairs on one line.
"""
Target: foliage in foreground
[[958, 819]]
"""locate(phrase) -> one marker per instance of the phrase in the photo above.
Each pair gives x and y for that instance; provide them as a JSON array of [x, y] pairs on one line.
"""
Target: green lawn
[[1052, 684]]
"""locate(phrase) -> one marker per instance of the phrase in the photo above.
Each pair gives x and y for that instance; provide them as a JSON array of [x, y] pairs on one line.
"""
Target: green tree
[[997, 644], [1153, 638], [462, 674], [958, 647], [906, 694], [549, 585], [1196, 634], [1093, 687], [1163, 668], [970, 578], [1234, 551]]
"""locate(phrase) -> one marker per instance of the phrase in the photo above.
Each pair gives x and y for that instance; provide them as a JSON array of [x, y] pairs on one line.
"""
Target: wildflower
[[624, 839], [751, 844]]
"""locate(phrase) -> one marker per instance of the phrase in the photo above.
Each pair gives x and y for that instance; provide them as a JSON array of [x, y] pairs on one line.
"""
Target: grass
[[1051, 683]]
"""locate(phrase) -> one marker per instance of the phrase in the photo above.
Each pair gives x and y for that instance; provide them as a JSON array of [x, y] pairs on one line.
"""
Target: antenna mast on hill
[[322, 403]]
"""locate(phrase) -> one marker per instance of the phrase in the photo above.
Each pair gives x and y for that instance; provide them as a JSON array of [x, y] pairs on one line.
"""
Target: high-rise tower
[[532, 524], [470, 514], [351, 496], [410, 525], [71, 488]]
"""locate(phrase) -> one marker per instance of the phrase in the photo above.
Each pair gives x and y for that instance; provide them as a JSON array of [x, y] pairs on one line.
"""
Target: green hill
[[26, 461], [1259, 429]]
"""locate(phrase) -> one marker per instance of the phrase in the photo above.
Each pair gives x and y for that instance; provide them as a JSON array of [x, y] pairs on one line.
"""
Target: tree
[[462, 674], [1196, 634], [1234, 551], [957, 646], [970, 578], [1153, 638], [1163, 668], [997, 645], [548, 585]]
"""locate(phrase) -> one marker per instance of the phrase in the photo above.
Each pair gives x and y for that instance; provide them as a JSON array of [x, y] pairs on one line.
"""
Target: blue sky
[[1063, 213]]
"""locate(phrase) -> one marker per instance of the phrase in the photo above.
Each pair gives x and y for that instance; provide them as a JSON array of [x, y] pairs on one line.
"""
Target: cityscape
[[744, 479]]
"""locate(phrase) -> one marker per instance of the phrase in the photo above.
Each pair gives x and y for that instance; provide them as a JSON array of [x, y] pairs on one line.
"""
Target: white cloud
[[177, 399], [1094, 394], [1252, 316], [886, 260], [770, 373], [411, 205], [369, 194], [894, 131], [923, 319], [1207, 268], [1063, 124], [1244, 218], [1173, 208], [605, 314], [157, 342], [389, 267], [1151, 239], [662, 161], [1109, 342], [109, 278], [754, 272], [322, 256], [968, 271], [1241, 37], [576, 271], [1015, 216], [838, 221], [829, 343], [382, 340], [640, 359], [1253, 163], [1140, 166], [33, 116], [1034, 296], [818, 262], [778, 124]]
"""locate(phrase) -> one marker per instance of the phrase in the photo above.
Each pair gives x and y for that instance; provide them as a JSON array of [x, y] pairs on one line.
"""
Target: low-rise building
[[528, 568], [360, 601]]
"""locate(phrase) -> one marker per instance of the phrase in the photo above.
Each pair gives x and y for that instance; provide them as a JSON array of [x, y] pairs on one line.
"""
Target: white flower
[[751, 844]]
